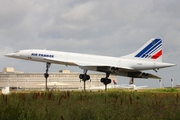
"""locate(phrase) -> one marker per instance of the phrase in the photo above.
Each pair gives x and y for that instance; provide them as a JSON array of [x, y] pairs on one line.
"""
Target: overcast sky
[[105, 27]]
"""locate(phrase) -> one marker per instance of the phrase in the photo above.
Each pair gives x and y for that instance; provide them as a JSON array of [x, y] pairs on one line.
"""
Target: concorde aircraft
[[148, 57]]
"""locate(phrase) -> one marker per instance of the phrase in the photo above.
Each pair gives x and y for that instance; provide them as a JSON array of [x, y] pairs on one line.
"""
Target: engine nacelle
[[114, 69], [145, 75], [138, 75]]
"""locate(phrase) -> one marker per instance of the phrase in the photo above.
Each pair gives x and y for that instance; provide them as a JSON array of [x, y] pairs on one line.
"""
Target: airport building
[[63, 79]]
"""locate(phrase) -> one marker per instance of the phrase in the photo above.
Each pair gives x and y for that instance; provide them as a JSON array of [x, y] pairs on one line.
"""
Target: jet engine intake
[[145, 75], [138, 75], [114, 69]]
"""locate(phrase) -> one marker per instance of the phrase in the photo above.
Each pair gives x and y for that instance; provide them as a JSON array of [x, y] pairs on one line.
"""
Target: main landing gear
[[46, 75], [106, 80], [84, 77]]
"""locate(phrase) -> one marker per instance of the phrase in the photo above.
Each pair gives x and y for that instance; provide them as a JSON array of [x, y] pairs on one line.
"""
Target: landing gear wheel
[[84, 77], [81, 76], [106, 81], [46, 75]]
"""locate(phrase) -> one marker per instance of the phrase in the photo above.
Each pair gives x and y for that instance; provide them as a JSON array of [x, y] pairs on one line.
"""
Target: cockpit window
[[17, 52]]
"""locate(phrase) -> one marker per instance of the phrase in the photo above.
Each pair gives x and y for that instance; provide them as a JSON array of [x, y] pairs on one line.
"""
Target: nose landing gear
[[46, 75]]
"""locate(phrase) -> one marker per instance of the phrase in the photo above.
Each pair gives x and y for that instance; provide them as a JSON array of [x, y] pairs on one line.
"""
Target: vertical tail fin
[[115, 83], [152, 50]]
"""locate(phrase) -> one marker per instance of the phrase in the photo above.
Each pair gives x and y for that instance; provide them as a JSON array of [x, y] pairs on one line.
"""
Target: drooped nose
[[10, 55]]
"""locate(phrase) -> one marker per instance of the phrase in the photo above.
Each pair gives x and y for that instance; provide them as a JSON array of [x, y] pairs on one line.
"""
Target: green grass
[[163, 90], [77, 105]]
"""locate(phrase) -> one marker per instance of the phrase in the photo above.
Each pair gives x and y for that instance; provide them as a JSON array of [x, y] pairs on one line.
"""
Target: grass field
[[116, 104]]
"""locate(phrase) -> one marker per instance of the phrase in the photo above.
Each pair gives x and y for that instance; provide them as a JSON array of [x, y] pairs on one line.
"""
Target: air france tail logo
[[153, 50], [115, 83]]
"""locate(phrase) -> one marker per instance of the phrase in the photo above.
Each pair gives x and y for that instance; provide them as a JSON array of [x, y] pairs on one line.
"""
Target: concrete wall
[[31, 80]]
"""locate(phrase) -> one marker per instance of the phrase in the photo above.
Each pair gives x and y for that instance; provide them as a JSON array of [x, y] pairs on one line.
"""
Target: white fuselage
[[86, 60]]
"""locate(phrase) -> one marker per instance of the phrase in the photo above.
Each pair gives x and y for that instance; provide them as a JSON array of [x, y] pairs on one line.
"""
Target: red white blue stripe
[[153, 50]]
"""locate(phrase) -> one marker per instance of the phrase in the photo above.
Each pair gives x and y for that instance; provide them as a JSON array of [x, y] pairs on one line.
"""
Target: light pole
[[17, 84], [26, 81], [171, 83]]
